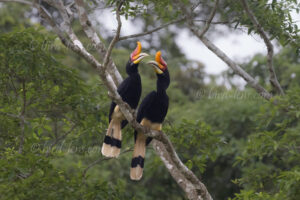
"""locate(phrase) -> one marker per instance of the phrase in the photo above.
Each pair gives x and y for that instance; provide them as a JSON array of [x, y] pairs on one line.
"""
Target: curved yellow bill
[[139, 57], [156, 67]]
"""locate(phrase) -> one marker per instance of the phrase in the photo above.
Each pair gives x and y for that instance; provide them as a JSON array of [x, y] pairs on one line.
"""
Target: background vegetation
[[53, 116]]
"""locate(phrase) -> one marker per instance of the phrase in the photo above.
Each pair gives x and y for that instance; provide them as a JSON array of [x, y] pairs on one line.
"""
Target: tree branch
[[10, 115], [151, 31], [194, 189], [236, 68], [166, 25], [92, 35], [57, 139], [18, 1], [100, 160], [115, 38], [263, 35]]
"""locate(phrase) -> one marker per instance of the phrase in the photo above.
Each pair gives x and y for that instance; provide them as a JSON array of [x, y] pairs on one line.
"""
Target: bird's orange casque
[[161, 62], [135, 54]]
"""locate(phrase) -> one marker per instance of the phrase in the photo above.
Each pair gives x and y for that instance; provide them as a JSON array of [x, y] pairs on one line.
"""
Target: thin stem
[[100, 160], [116, 37], [22, 117]]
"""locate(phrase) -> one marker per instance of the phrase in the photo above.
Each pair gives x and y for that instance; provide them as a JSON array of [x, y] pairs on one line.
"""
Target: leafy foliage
[[274, 17], [270, 157]]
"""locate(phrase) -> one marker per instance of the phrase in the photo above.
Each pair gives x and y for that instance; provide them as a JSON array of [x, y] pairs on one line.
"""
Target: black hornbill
[[130, 90], [151, 113]]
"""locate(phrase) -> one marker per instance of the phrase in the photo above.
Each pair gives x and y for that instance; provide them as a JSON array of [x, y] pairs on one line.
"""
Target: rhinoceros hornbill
[[130, 90], [151, 113]]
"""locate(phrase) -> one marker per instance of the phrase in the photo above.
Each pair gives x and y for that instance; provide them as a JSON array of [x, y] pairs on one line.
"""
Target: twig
[[10, 115], [22, 117], [166, 25], [100, 160], [211, 16], [59, 139], [205, 21], [151, 31], [259, 28]]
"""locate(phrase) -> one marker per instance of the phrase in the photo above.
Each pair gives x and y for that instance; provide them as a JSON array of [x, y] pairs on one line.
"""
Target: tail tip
[[110, 151], [136, 173]]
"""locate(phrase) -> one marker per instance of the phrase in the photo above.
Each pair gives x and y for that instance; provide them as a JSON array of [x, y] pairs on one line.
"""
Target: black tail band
[[137, 161], [112, 141]]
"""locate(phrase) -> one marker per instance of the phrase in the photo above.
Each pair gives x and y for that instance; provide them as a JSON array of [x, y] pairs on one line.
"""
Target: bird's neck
[[160, 90], [131, 69], [133, 73]]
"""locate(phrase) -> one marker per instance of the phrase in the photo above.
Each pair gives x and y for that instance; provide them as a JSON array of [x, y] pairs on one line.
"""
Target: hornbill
[[130, 90], [151, 113]]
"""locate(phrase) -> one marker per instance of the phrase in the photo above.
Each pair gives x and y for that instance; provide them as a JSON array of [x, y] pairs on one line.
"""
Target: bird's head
[[137, 55], [159, 65], [161, 70]]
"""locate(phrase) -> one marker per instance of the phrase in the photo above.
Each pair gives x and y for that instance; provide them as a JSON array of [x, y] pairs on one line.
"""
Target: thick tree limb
[[193, 190], [263, 35], [236, 68]]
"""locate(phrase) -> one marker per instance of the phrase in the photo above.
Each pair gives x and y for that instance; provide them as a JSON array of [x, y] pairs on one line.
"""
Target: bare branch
[[236, 68], [116, 37], [151, 31], [205, 21], [259, 28], [166, 25]]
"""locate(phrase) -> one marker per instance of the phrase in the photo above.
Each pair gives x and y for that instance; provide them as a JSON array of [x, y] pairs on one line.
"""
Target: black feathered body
[[154, 107], [130, 90], [151, 114]]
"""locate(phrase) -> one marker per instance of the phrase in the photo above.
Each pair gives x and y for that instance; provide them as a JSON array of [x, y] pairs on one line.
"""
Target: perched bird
[[151, 113], [130, 90]]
